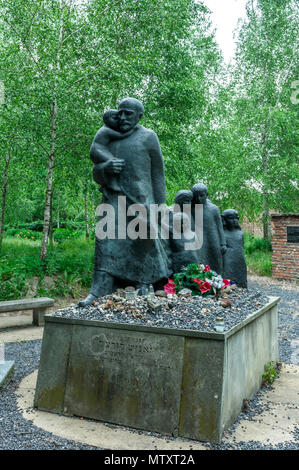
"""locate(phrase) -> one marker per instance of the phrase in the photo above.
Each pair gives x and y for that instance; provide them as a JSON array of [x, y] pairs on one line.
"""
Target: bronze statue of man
[[139, 167]]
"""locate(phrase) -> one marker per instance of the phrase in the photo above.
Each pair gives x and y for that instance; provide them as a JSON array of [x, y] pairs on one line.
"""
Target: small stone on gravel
[[183, 312]]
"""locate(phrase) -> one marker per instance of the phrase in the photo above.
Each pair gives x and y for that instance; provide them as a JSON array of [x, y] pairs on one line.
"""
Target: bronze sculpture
[[138, 165], [234, 258]]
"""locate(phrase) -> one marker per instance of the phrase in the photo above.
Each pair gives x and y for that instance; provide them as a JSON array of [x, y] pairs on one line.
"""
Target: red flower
[[170, 288], [207, 268], [226, 283], [197, 280], [205, 287]]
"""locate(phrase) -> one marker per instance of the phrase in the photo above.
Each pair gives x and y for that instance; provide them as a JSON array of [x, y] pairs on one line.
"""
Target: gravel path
[[288, 308], [17, 433]]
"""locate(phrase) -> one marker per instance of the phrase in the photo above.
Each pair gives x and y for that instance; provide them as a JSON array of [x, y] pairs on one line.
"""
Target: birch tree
[[69, 61], [266, 65]]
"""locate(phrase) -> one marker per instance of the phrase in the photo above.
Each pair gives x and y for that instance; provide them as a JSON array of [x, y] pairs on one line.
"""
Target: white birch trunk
[[86, 216], [4, 192], [51, 159]]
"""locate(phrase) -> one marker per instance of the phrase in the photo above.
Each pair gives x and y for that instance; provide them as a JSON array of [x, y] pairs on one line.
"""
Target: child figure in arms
[[99, 152]]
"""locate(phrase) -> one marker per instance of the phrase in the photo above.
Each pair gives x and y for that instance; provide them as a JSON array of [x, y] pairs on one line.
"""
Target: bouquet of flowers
[[200, 279]]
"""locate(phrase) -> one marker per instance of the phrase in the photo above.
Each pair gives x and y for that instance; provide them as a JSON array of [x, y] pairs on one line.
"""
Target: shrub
[[25, 234], [259, 262], [73, 225], [63, 285], [10, 232], [62, 234], [258, 253], [37, 225], [13, 288], [70, 264], [12, 281], [252, 244], [271, 370], [75, 256]]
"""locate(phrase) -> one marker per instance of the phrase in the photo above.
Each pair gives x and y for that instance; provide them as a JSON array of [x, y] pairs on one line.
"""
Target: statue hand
[[223, 249], [115, 166]]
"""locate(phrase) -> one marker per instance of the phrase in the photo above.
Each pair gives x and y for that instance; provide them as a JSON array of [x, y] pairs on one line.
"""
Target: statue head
[[183, 197], [110, 118], [130, 111], [230, 219], [200, 193]]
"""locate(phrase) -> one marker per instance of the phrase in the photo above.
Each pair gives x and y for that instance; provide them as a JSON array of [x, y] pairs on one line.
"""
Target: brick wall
[[285, 258]]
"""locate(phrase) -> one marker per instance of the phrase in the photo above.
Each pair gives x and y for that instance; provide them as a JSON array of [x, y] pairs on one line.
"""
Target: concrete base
[[276, 424], [175, 382], [6, 372]]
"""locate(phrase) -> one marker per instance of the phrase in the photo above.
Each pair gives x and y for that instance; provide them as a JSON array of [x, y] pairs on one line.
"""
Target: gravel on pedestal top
[[191, 312]]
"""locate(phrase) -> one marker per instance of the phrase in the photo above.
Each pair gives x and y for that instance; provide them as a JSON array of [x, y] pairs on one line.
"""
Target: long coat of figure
[[234, 259], [213, 237], [181, 254], [141, 260]]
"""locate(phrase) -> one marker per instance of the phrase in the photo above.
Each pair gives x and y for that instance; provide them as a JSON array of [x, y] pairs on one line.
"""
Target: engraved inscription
[[122, 349], [125, 376], [293, 234], [100, 344]]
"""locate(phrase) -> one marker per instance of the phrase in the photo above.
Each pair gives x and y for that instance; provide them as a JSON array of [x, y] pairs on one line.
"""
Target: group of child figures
[[222, 239]]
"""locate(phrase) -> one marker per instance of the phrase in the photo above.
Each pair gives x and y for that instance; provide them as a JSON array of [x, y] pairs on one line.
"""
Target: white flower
[[216, 282]]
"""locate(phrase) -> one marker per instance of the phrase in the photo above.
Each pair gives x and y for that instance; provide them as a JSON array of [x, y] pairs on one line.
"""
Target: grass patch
[[70, 264], [271, 370], [258, 254]]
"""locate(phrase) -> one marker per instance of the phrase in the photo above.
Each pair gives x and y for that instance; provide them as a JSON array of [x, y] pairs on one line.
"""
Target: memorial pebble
[[192, 313]]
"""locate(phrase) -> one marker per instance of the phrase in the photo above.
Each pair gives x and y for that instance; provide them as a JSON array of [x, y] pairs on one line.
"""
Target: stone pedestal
[[175, 382]]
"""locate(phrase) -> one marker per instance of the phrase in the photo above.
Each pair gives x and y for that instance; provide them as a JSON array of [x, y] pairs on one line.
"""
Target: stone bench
[[38, 306]]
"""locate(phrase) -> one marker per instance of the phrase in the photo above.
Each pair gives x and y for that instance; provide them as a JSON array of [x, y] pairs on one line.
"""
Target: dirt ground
[[269, 281]]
